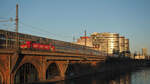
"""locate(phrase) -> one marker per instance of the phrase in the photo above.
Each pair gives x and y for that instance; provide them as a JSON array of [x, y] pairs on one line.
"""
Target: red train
[[37, 46]]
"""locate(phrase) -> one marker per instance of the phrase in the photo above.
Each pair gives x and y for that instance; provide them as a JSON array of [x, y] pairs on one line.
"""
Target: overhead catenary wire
[[8, 14], [45, 32], [42, 29], [31, 30], [6, 24]]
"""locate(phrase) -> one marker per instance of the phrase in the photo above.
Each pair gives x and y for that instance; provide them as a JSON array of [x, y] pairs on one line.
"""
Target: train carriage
[[26, 41]]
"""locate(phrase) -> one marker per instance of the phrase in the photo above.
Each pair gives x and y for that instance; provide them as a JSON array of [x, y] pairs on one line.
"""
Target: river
[[140, 76]]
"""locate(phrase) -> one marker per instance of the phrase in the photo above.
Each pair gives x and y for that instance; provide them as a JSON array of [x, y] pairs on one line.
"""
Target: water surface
[[141, 76]]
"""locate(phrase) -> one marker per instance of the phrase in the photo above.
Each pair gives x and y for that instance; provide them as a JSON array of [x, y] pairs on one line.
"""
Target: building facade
[[109, 43], [121, 44], [139, 56], [106, 42], [142, 55], [144, 51], [127, 48], [87, 41], [127, 45]]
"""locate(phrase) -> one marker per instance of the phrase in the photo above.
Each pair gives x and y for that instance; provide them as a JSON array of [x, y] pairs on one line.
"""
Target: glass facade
[[106, 42]]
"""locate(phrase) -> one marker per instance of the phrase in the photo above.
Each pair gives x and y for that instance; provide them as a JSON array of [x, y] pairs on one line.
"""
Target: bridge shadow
[[52, 71], [18, 61], [77, 70], [25, 74]]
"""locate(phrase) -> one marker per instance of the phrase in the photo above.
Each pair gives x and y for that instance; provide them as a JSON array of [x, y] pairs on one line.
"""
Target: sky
[[65, 19]]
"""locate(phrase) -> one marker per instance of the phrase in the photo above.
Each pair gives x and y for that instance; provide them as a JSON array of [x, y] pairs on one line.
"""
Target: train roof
[[44, 38]]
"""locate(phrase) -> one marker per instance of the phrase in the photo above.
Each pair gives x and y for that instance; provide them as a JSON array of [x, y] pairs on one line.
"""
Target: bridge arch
[[75, 69], [26, 73], [52, 71], [71, 70]]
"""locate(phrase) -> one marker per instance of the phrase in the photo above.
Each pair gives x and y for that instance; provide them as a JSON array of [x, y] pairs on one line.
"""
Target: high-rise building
[[106, 42], [121, 44], [144, 51], [127, 45], [127, 48], [109, 43]]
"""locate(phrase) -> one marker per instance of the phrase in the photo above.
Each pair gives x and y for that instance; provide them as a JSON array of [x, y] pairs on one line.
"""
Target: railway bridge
[[28, 64], [31, 66]]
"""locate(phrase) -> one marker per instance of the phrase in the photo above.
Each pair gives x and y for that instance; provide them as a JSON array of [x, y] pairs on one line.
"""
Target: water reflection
[[100, 80], [138, 77], [141, 77]]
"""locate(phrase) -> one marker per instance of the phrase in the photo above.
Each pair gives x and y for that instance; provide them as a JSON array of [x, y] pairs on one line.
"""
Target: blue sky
[[63, 19]]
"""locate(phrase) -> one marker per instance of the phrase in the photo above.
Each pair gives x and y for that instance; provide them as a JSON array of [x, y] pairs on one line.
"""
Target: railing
[[7, 40]]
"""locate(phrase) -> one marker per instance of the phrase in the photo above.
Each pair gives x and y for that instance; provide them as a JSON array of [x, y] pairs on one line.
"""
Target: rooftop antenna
[[85, 33], [85, 37]]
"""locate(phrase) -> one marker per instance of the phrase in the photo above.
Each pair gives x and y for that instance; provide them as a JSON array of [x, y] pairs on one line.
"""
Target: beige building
[[121, 44], [144, 51], [127, 48], [85, 41], [143, 55], [109, 43], [106, 42], [127, 45], [139, 56]]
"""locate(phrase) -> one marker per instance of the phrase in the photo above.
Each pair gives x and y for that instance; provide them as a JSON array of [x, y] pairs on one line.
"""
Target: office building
[[106, 42], [109, 43], [121, 44], [144, 51]]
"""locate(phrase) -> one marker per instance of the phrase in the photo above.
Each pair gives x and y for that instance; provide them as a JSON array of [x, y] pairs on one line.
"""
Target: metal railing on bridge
[[36, 43]]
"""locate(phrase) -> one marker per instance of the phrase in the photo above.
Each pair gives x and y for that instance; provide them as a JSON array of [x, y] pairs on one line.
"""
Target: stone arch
[[32, 60], [70, 70], [76, 69], [26, 73], [63, 65], [52, 71]]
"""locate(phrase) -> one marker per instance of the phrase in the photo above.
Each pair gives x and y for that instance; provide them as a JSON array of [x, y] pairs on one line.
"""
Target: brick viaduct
[[41, 66]]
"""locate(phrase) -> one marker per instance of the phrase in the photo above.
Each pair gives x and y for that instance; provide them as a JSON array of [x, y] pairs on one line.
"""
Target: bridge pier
[[59, 69], [63, 65], [5, 68]]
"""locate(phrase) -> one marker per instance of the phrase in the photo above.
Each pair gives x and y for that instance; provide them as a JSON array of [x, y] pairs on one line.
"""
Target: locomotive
[[37, 46]]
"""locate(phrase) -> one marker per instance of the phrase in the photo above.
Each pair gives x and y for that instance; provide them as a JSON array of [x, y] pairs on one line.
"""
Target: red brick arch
[[49, 66], [49, 63], [35, 62]]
